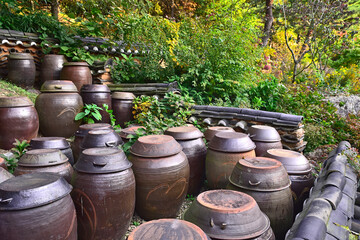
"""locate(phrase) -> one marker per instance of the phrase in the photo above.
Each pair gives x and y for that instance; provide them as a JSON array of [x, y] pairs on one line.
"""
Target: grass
[[10, 90]]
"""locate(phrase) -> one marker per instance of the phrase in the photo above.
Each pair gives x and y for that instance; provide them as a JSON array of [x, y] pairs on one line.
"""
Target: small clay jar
[[265, 138]]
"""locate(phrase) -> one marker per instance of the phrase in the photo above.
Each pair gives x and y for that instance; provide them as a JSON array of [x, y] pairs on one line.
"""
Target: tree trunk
[[269, 19], [55, 9]]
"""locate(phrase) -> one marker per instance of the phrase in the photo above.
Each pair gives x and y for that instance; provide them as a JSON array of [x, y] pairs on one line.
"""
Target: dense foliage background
[[283, 55]]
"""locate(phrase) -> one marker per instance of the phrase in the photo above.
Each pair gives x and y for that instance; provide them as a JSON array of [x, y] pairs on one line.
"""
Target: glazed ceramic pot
[[21, 69], [104, 194], [225, 150], [265, 138], [77, 72], [126, 132], [57, 106], [51, 67], [18, 120], [37, 206], [211, 131], [122, 106], [162, 176]]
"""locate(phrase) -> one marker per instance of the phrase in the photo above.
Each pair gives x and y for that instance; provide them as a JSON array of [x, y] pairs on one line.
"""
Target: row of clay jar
[[55, 110]]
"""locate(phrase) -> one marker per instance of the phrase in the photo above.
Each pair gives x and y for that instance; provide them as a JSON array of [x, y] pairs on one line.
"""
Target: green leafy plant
[[91, 112], [136, 223], [18, 150], [115, 126], [190, 197]]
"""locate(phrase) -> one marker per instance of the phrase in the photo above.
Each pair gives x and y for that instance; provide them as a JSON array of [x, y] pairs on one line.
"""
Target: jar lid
[[101, 138], [95, 88], [49, 142], [86, 128], [227, 214], [102, 160], [211, 131], [155, 146], [76, 64], [129, 130], [263, 133], [4, 175], [32, 190], [42, 158], [294, 162], [123, 95], [6, 102], [21, 56], [184, 133], [231, 142], [58, 86], [174, 229], [260, 174]]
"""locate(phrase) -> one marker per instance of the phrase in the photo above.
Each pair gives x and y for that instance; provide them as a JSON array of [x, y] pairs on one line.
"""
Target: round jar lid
[[101, 138], [21, 56], [211, 131], [86, 128], [174, 229], [123, 95], [130, 130], [294, 162], [262, 133], [260, 174], [32, 190], [84, 64], [155, 146], [49, 142], [58, 86], [95, 88], [42, 158], [231, 142], [184, 133], [6, 102], [102, 160], [227, 214]]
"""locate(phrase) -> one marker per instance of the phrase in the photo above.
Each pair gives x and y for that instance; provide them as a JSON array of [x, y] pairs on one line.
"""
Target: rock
[[346, 104]]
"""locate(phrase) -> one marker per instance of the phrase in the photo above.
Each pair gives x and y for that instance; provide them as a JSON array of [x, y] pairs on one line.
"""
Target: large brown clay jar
[[51, 67], [21, 69], [45, 160], [81, 133], [99, 95], [77, 72], [18, 120], [299, 170], [37, 206], [57, 105], [190, 138], [104, 194], [265, 138], [122, 104], [211, 131], [162, 175], [267, 181], [224, 151]]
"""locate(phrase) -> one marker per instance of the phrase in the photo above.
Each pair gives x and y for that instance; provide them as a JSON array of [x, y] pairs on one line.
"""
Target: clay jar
[[37, 206], [104, 194], [267, 181], [18, 120], [77, 72], [4, 175], [99, 95], [224, 151], [51, 67], [53, 143], [57, 105], [21, 69], [299, 170], [101, 138], [122, 105], [45, 160], [174, 229], [124, 133], [82, 132], [226, 214], [265, 138], [190, 138], [162, 176], [211, 131]]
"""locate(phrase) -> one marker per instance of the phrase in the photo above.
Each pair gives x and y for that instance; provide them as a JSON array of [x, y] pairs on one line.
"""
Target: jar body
[[51, 67], [21, 72], [98, 98], [79, 74], [56, 220], [300, 186], [57, 113], [262, 147], [17, 123], [161, 185], [219, 166], [122, 111], [104, 210]]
